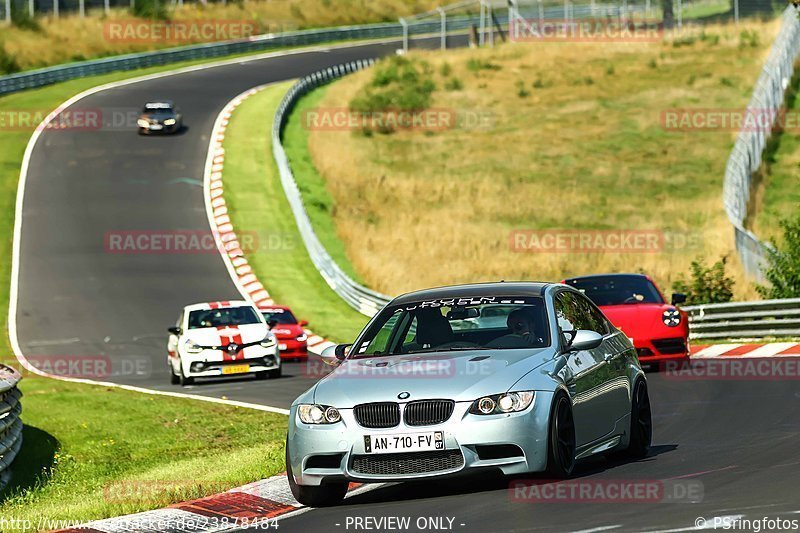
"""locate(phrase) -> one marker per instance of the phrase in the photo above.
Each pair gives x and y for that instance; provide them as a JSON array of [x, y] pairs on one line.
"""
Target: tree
[[783, 263]]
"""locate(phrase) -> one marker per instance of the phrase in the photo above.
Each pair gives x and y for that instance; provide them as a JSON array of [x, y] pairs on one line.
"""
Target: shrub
[[21, 18], [445, 69], [474, 64], [708, 285], [8, 63], [522, 92], [150, 9], [398, 84], [783, 264], [453, 84]]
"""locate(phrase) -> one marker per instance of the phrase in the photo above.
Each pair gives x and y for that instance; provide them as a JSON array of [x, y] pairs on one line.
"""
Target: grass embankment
[[778, 193], [575, 140], [92, 452], [69, 38], [257, 203]]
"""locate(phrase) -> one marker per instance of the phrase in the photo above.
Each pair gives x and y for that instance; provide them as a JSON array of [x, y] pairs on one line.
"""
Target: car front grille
[[670, 346], [377, 415], [428, 412], [400, 464]]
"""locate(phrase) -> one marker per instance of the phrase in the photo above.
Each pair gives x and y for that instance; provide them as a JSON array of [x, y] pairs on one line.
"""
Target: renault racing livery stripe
[[228, 336]]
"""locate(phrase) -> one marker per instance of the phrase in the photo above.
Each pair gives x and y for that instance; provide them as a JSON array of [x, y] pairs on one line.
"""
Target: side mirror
[[272, 323], [585, 339], [330, 355], [678, 298], [341, 351], [174, 330], [303, 323]]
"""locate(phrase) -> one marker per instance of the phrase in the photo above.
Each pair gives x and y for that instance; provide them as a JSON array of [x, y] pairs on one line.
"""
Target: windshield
[[617, 290], [281, 316], [481, 323], [230, 316]]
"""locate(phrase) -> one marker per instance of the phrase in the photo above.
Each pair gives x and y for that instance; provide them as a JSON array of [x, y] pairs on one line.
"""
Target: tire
[[275, 374], [325, 495], [561, 439], [173, 377], [184, 380], [641, 422]]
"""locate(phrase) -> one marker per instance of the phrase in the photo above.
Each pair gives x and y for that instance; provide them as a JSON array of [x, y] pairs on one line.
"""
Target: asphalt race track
[[736, 438], [79, 298]]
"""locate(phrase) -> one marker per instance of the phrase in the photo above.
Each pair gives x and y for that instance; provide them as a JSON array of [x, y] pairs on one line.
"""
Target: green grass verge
[[92, 452], [319, 203], [256, 203], [85, 455]]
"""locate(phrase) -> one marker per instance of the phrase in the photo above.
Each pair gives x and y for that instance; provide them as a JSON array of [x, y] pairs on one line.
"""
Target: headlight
[[318, 414], [671, 317], [301, 338], [268, 342], [510, 402], [192, 347], [142, 123], [169, 122]]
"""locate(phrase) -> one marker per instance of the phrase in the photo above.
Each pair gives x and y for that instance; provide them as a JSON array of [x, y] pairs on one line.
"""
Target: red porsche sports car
[[659, 330], [292, 339]]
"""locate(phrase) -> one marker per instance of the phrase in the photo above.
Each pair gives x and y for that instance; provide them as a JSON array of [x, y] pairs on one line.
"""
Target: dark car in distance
[[159, 117]]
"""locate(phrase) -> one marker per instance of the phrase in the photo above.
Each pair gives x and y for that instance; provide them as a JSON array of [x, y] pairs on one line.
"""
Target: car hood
[[636, 320], [241, 334], [460, 376], [287, 331]]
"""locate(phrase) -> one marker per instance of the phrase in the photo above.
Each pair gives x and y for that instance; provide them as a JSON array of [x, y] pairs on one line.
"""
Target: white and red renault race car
[[219, 339]]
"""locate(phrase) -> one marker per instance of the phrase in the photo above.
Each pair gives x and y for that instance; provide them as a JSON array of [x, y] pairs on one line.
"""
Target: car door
[[617, 395], [585, 373]]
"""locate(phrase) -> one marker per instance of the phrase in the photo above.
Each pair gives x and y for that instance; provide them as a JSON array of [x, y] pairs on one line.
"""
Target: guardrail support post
[[55, 8], [443, 30], [30, 8], [680, 13], [82, 7], [8, 11], [404, 24], [736, 11]]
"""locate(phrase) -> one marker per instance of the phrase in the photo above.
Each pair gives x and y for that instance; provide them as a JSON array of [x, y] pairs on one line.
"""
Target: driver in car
[[525, 330]]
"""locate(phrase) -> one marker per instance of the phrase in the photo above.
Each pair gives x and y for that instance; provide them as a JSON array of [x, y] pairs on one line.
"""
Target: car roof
[[611, 275], [222, 304], [495, 288], [160, 103]]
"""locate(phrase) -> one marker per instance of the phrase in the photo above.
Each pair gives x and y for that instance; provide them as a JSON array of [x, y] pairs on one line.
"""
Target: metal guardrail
[[758, 319], [38, 78], [10, 410], [745, 158], [364, 300]]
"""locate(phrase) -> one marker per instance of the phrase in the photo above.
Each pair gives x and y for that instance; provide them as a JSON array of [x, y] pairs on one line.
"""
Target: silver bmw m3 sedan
[[521, 377]]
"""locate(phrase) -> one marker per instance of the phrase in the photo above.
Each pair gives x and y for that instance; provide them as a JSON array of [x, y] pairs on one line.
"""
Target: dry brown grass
[[70, 38], [584, 150]]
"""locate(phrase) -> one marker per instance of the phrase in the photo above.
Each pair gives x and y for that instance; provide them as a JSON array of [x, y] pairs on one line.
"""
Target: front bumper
[[659, 350], [158, 128], [514, 443], [291, 348], [213, 365]]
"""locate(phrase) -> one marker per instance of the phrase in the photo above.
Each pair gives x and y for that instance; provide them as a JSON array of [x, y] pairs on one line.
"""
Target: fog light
[[197, 367]]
